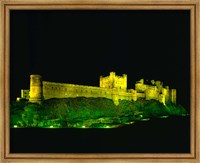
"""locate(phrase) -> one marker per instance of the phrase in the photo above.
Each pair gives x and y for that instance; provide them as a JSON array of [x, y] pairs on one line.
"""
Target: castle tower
[[173, 95], [36, 93], [125, 82], [151, 93]]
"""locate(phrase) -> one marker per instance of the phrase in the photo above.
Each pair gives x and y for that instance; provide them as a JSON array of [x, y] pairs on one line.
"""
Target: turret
[[36, 93], [173, 96]]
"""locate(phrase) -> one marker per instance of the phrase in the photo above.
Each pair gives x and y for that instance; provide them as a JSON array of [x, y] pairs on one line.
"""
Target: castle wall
[[154, 91], [151, 93], [62, 90], [140, 87], [111, 87], [140, 95]]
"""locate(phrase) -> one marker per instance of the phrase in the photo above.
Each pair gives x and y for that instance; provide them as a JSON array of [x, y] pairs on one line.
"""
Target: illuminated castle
[[112, 87]]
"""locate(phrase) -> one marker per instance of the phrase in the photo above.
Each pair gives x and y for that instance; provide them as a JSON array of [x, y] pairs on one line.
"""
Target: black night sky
[[79, 46]]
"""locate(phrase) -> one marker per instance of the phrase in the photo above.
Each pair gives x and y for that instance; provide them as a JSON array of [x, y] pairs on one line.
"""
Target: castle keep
[[112, 87]]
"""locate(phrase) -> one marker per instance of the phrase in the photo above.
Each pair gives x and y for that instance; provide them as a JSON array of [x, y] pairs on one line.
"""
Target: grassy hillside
[[87, 112]]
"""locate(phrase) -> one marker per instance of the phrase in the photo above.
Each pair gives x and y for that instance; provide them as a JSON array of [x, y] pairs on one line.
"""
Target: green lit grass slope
[[87, 112]]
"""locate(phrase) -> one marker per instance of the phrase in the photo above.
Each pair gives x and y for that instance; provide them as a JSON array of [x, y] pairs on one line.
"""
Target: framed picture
[[93, 81]]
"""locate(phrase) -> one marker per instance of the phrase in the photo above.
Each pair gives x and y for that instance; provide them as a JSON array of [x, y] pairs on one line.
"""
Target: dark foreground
[[170, 135]]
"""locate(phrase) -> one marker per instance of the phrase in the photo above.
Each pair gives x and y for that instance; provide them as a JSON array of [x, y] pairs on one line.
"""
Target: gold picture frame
[[7, 5]]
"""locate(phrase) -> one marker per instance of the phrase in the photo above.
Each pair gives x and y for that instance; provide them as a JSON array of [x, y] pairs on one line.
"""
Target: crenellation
[[112, 87]]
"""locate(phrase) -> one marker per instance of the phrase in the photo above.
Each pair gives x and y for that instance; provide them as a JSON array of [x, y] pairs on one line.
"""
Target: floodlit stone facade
[[112, 87], [114, 81]]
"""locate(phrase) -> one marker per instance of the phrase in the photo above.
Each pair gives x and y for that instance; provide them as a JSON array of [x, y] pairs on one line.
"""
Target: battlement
[[112, 87]]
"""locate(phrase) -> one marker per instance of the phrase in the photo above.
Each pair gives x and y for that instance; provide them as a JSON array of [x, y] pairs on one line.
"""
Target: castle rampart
[[112, 87], [63, 90]]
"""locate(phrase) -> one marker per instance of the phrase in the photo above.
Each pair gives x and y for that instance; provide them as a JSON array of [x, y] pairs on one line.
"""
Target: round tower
[[36, 93]]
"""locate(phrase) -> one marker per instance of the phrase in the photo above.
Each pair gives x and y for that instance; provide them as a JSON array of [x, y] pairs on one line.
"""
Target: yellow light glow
[[112, 87]]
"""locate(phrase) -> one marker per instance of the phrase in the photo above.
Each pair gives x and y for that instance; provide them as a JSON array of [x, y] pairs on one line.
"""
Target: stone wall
[[63, 90], [112, 87]]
